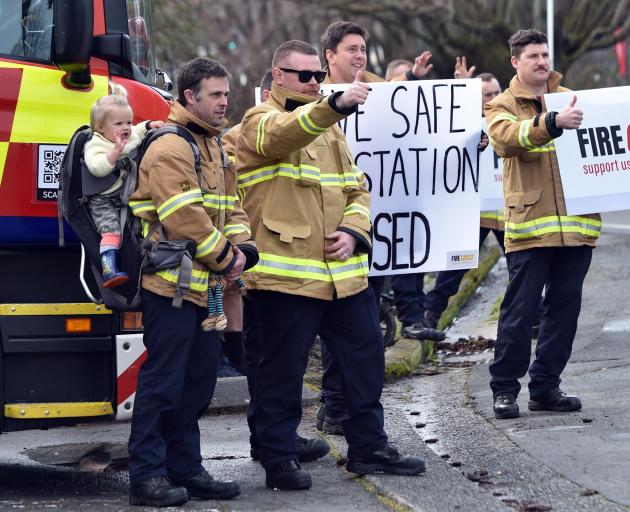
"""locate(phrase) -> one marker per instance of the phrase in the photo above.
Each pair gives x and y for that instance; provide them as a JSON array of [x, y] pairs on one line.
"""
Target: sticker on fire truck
[[48, 166]]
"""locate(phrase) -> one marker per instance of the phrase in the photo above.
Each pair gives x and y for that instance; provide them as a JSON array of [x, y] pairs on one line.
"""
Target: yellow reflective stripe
[[553, 224], [209, 244], [492, 215], [234, 229], [283, 169], [53, 309], [307, 123], [356, 208], [174, 203], [316, 270], [41, 91], [503, 116], [260, 133], [232, 159], [141, 206], [198, 280], [339, 180], [550, 146], [219, 202], [523, 134]]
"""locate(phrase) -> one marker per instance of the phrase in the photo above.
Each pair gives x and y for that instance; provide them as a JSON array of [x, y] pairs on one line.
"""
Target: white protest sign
[[490, 177], [417, 144], [594, 160]]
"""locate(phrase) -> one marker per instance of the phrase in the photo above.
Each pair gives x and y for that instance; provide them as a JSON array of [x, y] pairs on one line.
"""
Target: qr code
[[51, 164]]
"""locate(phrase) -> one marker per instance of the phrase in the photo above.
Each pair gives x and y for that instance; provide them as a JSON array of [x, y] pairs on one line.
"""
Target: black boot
[[204, 487], [505, 407], [307, 449], [157, 492], [326, 424], [421, 331], [431, 318], [288, 476], [555, 400], [386, 460]]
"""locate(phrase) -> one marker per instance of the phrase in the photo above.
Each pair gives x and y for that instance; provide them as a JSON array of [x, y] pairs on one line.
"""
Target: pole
[[550, 30]]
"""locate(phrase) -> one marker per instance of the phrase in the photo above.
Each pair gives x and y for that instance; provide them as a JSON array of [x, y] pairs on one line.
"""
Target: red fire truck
[[63, 359]]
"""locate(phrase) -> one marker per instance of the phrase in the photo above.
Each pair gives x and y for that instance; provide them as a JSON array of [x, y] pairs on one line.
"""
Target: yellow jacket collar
[[287, 99], [520, 91], [182, 116]]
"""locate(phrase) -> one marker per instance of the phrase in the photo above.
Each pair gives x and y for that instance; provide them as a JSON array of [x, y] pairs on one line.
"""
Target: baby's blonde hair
[[102, 106]]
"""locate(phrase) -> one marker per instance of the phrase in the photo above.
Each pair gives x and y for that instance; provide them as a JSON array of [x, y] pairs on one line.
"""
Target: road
[[541, 461]]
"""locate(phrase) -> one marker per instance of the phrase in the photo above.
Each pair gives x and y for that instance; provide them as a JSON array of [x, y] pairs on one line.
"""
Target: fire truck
[[63, 359]]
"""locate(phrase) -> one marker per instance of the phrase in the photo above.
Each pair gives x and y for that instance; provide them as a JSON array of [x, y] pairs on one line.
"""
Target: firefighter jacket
[[228, 141], [299, 183], [522, 133], [204, 208]]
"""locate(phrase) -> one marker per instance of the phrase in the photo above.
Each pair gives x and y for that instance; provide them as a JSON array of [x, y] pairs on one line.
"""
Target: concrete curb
[[406, 355]]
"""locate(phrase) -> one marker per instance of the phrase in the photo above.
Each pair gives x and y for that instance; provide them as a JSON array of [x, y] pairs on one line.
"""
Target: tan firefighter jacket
[[299, 183], [522, 133], [204, 209]]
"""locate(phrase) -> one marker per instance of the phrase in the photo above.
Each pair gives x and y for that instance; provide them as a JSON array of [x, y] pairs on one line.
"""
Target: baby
[[113, 137]]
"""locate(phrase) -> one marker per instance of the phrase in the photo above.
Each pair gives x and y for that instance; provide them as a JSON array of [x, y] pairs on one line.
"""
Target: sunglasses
[[305, 76]]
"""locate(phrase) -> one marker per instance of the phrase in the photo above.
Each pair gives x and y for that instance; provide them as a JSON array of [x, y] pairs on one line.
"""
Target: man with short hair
[[309, 212], [177, 380], [397, 67], [308, 449], [544, 246], [344, 46]]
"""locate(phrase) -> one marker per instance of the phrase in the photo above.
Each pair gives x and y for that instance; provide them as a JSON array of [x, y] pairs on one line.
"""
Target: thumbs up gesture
[[356, 94], [570, 118]]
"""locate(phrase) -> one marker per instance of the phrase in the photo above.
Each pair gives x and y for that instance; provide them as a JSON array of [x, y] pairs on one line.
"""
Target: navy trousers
[[286, 326], [409, 297], [331, 396], [175, 387], [448, 281], [561, 270]]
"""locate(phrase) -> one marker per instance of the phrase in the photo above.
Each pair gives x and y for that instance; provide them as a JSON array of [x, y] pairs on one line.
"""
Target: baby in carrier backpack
[[113, 138]]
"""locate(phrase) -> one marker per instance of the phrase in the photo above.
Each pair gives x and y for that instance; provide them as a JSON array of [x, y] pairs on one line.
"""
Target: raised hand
[[570, 118], [421, 66], [356, 94], [462, 70]]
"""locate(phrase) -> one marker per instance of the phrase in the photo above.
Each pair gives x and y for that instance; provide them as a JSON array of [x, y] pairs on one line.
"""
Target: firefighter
[[344, 46], [544, 246], [177, 380], [308, 449], [309, 210]]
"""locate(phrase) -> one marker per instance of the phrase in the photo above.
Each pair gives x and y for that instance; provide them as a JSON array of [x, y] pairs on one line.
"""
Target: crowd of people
[[278, 201]]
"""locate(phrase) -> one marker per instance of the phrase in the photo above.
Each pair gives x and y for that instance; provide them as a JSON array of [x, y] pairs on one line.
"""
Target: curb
[[406, 355]]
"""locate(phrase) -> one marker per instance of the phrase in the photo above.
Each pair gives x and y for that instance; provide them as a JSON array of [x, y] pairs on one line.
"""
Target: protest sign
[[417, 144], [594, 159], [490, 177]]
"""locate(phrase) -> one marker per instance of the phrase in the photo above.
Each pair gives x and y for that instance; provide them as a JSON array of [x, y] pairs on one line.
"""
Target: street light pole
[[550, 30]]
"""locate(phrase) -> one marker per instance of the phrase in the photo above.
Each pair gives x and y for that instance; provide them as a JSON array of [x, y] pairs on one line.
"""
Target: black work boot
[[157, 492], [310, 449], [421, 331], [288, 476], [326, 424], [204, 487], [386, 460], [555, 400], [505, 406]]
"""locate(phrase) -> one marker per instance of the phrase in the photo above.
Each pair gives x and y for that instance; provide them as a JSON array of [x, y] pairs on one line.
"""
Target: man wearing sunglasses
[[309, 212]]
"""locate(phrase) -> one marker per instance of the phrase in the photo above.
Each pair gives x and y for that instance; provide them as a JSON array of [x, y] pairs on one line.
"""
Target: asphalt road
[[541, 461]]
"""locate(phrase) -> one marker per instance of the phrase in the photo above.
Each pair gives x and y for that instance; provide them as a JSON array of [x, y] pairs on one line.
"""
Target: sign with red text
[[417, 142], [490, 177], [594, 159]]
